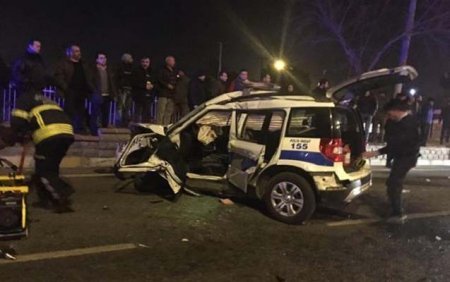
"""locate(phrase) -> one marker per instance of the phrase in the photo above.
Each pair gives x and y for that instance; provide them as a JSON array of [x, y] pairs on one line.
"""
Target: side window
[[309, 123], [252, 129], [256, 127]]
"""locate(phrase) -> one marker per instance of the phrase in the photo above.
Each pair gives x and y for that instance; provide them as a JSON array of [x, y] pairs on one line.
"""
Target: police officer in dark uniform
[[403, 144], [52, 134]]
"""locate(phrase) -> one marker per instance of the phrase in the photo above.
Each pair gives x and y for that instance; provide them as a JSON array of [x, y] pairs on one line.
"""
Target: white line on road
[[375, 220], [71, 253]]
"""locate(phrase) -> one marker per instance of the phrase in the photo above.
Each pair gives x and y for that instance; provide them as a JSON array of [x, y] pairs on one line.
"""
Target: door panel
[[246, 157]]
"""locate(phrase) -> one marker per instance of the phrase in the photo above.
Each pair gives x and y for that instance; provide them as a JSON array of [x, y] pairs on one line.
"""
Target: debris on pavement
[[105, 207], [143, 246], [9, 254], [406, 191], [156, 201], [427, 180], [438, 238], [226, 202], [191, 193], [184, 240]]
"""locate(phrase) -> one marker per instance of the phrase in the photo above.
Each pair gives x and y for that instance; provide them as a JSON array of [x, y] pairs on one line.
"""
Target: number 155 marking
[[299, 146]]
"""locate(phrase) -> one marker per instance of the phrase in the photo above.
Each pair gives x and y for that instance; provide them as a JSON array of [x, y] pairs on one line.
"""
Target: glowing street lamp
[[279, 65], [412, 91]]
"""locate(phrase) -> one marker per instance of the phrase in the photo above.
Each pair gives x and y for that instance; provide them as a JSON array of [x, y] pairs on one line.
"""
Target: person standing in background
[[143, 87], [197, 90], [181, 95], [426, 120], [167, 82], [104, 94], [241, 82], [75, 83], [29, 72], [367, 106], [321, 89], [124, 77]]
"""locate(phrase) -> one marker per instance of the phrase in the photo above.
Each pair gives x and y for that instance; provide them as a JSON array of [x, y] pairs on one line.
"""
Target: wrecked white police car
[[290, 151]]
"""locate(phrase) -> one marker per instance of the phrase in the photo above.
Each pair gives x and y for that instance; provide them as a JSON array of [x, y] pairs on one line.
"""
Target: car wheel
[[289, 198]]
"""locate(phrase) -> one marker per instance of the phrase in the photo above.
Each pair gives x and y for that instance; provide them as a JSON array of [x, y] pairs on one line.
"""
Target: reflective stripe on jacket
[[42, 118]]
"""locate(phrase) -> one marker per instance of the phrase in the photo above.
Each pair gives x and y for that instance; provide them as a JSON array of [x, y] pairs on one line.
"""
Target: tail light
[[333, 149]]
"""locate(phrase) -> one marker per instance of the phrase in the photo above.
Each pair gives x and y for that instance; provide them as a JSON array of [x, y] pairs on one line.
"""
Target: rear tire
[[289, 198]]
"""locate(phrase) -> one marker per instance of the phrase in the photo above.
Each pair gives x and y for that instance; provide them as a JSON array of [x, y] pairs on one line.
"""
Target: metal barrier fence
[[9, 98]]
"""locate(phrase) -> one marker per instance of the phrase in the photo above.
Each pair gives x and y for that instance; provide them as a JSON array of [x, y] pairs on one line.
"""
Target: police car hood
[[373, 80]]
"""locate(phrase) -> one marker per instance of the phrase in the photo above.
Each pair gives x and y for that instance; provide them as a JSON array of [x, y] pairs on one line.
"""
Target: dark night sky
[[190, 30]]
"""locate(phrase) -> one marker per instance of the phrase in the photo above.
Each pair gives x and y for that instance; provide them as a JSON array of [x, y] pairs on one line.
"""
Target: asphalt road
[[127, 236]]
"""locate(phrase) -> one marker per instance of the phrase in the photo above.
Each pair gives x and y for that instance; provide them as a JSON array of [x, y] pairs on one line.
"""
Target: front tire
[[289, 198]]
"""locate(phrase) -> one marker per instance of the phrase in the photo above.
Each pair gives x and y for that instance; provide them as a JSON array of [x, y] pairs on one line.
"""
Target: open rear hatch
[[372, 80], [347, 122]]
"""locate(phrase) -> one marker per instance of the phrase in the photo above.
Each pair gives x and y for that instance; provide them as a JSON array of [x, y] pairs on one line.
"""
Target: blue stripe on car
[[309, 157]]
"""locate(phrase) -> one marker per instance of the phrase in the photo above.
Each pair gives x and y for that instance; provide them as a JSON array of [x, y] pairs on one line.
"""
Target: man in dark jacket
[[167, 82], [181, 95], [321, 89], [223, 83], [143, 89], [241, 82], [75, 84], [103, 96], [29, 73], [52, 135], [216, 87], [367, 106], [403, 143], [124, 82], [197, 90]]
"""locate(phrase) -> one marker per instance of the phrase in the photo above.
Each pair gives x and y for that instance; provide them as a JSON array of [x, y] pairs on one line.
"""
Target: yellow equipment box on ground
[[13, 208]]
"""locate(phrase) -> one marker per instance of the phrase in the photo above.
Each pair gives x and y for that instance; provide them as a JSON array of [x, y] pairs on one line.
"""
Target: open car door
[[247, 147], [371, 81]]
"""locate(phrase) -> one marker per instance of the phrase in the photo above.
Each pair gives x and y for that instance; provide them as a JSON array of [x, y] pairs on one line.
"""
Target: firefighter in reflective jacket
[[52, 134]]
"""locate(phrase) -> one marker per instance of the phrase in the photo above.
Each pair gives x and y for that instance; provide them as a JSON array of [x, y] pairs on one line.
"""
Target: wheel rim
[[287, 199]]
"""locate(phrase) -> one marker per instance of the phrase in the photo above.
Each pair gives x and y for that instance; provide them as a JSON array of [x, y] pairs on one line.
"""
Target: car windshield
[[185, 118]]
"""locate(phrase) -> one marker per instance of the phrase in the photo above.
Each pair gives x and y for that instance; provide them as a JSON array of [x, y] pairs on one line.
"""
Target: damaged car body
[[290, 151]]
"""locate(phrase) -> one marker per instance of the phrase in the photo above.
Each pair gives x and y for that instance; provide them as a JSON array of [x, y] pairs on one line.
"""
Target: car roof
[[268, 98]]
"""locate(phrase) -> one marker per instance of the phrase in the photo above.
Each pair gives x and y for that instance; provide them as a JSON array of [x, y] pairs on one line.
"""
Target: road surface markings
[[375, 220], [71, 253]]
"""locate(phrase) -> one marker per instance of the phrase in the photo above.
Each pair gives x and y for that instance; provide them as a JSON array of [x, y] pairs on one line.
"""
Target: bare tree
[[367, 30]]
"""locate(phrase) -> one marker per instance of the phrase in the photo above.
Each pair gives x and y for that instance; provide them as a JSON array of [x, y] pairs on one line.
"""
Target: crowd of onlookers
[[135, 88]]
